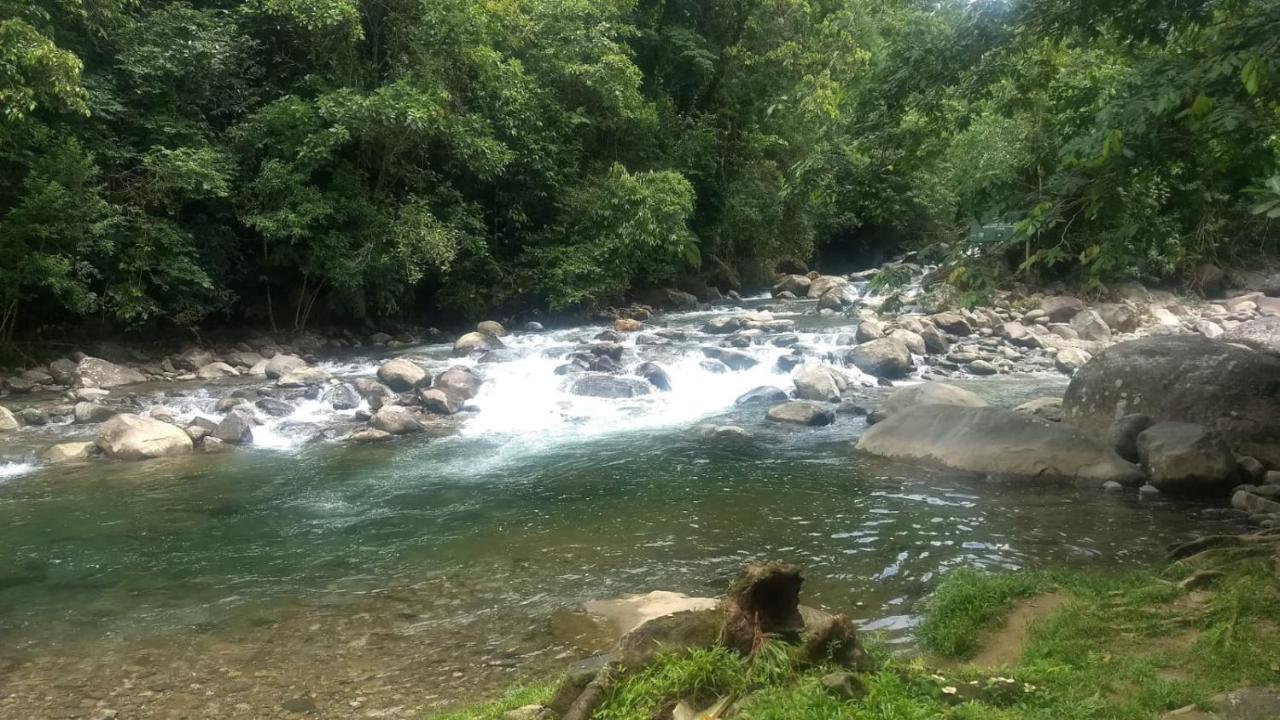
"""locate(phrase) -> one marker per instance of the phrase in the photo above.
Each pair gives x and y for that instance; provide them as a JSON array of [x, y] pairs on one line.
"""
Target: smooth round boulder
[[439, 402], [461, 383], [133, 437], [8, 421], [395, 420], [476, 342], [342, 397], [1232, 390], [802, 412], [763, 395], [216, 370], [1061, 308], [491, 328], [734, 359], [281, 365], [996, 441], [87, 413], [236, 427], [403, 375], [885, 358], [656, 375], [821, 383]]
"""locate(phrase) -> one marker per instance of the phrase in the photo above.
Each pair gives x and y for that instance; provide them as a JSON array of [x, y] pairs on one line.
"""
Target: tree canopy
[[181, 163]]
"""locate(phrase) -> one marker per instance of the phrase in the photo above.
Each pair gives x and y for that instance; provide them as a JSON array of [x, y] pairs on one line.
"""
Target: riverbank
[[1049, 644]]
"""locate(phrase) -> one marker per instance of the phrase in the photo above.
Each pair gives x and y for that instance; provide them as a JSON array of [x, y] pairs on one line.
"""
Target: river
[[391, 579]]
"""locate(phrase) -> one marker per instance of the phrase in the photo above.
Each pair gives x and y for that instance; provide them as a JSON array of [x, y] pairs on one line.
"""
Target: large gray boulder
[[824, 284], [281, 365], [476, 342], [1226, 388], [99, 373], [1089, 325], [403, 375], [821, 383], [609, 386], [133, 437], [1260, 334], [1186, 458], [461, 383], [236, 427], [395, 420], [996, 441], [931, 393], [763, 395], [886, 358], [1061, 308]]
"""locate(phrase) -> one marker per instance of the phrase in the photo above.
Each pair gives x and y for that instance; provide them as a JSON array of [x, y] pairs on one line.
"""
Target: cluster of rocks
[[1181, 415]]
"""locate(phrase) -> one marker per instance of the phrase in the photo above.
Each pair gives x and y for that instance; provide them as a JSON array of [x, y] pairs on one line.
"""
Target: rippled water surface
[[392, 578]]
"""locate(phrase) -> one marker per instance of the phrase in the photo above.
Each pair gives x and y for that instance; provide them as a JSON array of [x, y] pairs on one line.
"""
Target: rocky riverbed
[[314, 508]]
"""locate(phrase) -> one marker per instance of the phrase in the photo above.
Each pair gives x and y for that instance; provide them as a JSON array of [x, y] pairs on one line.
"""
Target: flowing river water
[[302, 574]]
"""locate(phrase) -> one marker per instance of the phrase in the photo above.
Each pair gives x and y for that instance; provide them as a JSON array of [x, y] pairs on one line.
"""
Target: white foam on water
[[10, 470]]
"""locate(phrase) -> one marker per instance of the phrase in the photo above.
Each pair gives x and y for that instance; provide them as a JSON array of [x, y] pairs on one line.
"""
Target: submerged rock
[[70, 452], [609, 386], [995, 441], [133, 437], [1230, 389], [656, 375]]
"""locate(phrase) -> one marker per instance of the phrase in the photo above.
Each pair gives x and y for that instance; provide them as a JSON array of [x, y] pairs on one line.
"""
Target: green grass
[[533, 694], [1120, 647]]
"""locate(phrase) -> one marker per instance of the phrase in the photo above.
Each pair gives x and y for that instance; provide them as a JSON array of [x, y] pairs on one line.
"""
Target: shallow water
[[381, 580]]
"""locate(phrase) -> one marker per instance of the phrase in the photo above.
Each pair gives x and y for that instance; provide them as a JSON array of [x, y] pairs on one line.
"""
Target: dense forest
[[271, 161]]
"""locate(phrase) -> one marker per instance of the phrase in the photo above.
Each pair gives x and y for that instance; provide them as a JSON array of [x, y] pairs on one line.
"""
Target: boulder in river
[[281, 365], [1046, 408], [99, 373], [342, 397], [303, 377], [133, 437], [797, 285], [403, 375], [476, 342], [87, 413], [439, 402], [820, 382], [461, 383], [885, 358], [824, 284], [1230, 389], [216, 370], [236, 427], [656, 375], [1185, 458], [802, 412], [763, 395], [735, 359], [8, 422], [492, 328], [395, 420], [609, 386], [930, 393], [996, 441], [70, 452]]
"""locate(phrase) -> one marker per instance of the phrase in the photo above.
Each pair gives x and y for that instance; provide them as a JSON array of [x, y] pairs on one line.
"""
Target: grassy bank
[[1119, 646]]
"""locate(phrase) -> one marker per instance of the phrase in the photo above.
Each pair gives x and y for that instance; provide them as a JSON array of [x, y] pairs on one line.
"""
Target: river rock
[[609, 386], [930, 393], [32, 417], [1260, 334], [303, 377], [192, 360], [439, 402], [274, 407], [996, 441], [677, 633], [935, 343], [868, 330], [797, 285], [886, 358], [70, 452], [1185, 458], [63, 371], [1070, 359], [1123, 434], [99, 373], [627, 325], [763, 395], [951, 322], [1089, 325], [133, 437], [1118, 316], [824, 284], [236, 427], [1226, 388], [216, 370], [913, 340], [735, 359], [820, 382], [1061, 308], [982, 367], [461, 383], [403, 375], [86, 413], [8, 422], [491, 328], [802, 412], [395, 420], [476, 342], [281, 365], [656, 375], [342, 397], [838, 298]]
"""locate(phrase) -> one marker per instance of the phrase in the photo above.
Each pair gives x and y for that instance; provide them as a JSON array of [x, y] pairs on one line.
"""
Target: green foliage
[[968, 602], [164, 162]]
